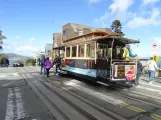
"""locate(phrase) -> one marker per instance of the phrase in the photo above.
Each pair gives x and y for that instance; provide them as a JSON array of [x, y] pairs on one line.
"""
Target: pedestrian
[[130, 52], [48, 65], [42, 62], [7, 62], [38, 60], [57, 60], [139, 72], [152, 67]]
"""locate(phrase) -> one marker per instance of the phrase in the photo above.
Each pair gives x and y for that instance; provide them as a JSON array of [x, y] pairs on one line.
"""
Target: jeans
[[58, 66], [42, 67], [151, 75], [47, 70]]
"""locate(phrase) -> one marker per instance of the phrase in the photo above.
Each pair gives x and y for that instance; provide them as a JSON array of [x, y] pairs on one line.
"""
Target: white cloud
[[153, 20], [93, 1], [18, 38], [117, 10], [157, 40], [31, 40], [146, 2], [26, 48]]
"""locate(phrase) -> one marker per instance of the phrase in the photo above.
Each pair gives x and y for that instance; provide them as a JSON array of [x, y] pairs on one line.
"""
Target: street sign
[[154, 45], [130, 75]]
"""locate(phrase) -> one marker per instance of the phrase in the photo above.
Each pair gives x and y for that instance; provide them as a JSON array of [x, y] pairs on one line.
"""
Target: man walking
[[57, 60], [152, 66]]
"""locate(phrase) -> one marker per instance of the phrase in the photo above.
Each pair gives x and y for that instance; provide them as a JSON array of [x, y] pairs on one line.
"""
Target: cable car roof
[[119, 38]]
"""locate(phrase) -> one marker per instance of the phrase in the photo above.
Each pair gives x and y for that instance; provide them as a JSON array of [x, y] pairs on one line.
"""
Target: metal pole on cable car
[[111, 58]]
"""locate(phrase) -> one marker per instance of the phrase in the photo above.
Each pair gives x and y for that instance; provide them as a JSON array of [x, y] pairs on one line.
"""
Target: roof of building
[[77, 27]]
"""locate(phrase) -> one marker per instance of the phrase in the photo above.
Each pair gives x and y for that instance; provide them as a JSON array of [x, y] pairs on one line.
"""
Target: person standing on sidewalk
[[42, 62], [48, 65], [152, 67], [7, 62]]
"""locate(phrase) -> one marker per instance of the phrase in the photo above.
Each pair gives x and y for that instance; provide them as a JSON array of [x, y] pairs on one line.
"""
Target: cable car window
[[68, 52], [74, 51], [62, 53], [102, 50], [90, 51], [109, 52], [81, 51]]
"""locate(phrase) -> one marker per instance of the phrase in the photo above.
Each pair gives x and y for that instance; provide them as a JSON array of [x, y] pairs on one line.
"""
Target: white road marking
[[19, 104], [8, 83], [2, 76], [110, 99], [150, 89], [151, 84], [10, 106], [15, 74]]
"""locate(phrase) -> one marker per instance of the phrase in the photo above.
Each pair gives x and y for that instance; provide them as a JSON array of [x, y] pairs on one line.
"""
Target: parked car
[[18, 64]]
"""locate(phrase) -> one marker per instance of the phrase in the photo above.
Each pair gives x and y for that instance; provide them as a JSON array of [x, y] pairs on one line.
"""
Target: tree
[[116, 27], [2, 37], [30, 61], [3, 58]]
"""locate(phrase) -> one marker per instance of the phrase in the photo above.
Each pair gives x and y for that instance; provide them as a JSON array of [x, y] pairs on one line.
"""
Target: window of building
[[74, 51], [68, 52], [81, 51], [80, 32], [64, 35], [90, 51]]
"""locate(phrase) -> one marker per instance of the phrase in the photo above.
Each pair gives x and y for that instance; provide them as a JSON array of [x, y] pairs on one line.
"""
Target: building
[[72, 30], [57, 40], [48, 50]]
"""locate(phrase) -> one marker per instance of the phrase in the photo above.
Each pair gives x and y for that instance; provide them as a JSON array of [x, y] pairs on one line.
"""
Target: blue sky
[[28, 24]]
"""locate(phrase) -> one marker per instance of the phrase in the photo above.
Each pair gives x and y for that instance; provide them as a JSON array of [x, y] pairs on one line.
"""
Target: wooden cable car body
[[95, 56]]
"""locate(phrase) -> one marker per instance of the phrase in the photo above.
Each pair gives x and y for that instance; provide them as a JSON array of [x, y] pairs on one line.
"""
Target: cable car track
[[121, 94], [79, 109]]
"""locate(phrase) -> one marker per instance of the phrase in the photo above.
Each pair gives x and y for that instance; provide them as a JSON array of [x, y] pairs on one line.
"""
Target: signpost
[[154, 49], [154, 45]]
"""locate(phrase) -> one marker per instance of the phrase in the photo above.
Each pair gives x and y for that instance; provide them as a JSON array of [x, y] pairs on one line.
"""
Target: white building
[[48, 50]]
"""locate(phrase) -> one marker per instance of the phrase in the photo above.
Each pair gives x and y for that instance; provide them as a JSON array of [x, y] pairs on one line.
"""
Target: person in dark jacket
[[7, 62], [42, 62], [139, 72], [57, 60]]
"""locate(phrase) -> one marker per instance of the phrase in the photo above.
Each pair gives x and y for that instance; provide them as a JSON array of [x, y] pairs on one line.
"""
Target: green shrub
[[30, 61]]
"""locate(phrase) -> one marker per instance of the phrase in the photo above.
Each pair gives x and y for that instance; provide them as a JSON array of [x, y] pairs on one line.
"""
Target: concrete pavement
[[18, 101], [73, 98], [141, 103]]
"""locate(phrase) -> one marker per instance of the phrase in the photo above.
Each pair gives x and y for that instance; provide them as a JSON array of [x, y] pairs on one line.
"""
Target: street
[[25, 94]]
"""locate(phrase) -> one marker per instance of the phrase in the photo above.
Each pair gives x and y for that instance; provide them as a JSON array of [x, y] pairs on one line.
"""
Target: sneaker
[[57, 73], [150, 82]]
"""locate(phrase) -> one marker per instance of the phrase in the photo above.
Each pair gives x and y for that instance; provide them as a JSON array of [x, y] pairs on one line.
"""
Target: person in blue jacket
[[42, 62], [130, 52]]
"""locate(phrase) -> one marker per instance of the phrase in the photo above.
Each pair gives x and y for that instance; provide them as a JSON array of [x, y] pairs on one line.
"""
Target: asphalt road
[[70, 98], [17, 99]]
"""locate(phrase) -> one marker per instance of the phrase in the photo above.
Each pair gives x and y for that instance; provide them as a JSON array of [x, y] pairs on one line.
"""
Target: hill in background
[[15, 57]]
